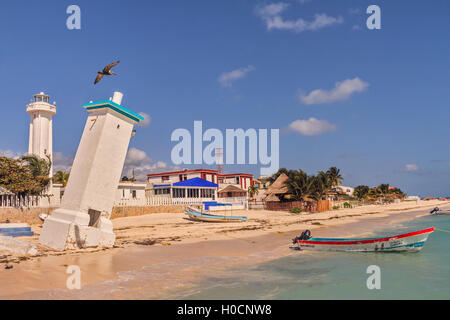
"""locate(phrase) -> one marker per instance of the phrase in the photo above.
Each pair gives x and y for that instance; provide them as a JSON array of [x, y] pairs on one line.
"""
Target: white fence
[[237, 202], [14, 201]]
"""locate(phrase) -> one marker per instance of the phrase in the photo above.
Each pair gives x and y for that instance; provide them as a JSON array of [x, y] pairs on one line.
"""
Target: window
[[164, 178], [134, 194], [193, 193], [178, 193], [237, 180], [161, 191]]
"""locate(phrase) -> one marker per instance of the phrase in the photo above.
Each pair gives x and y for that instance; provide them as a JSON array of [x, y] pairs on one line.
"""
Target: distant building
[[240, 180], [197, 186], [345, 190], [130, 193], [191, 191]]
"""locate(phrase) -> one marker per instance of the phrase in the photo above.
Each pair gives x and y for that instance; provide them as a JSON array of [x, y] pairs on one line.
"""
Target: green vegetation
[[28, 175], [253, 190], [302, 187], [296, 210], [61, 177]]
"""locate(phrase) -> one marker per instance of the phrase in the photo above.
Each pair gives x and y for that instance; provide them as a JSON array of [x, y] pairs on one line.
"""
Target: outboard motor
[[434, 210], [306, 235]]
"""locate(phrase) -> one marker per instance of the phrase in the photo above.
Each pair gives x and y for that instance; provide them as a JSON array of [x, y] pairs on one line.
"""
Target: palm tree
[[253, 190], [40, 171], [298, 184], [335, 177], [361, 192], [38, 166], [61, 177], [319, 185]]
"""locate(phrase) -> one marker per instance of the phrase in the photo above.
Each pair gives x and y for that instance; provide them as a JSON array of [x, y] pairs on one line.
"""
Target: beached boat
[[438, 212], [197, 215], [412, 241]]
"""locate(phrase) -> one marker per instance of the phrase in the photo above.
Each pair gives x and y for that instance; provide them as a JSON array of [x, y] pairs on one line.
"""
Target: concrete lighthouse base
[[67, 229]]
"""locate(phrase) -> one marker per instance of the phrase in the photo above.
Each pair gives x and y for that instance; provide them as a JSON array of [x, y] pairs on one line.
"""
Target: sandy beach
[[160, 253]]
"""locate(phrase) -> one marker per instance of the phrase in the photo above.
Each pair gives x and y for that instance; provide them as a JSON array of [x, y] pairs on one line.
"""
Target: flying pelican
[[106, 72]]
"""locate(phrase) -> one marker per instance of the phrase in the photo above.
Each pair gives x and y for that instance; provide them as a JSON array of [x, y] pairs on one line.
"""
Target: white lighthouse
[[41, 136]]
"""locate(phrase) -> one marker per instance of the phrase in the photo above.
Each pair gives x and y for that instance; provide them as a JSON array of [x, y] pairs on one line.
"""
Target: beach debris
[[166, 243], [106, 72], [43, 216], [147, 242], [15, 229], [8, 267], [17, 246]]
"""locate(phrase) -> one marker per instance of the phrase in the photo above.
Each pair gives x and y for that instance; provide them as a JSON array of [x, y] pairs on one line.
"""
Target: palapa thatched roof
[[278, 186], [233, 190], [272, 198]]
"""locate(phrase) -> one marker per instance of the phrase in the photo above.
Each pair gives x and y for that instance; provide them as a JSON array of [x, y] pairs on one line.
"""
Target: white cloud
[[341, 91], [312, 126], [271, 15], [10, 154], [142, 164], [226, 79], [61, 162], [146, 121], [411, 167], [272, 9]]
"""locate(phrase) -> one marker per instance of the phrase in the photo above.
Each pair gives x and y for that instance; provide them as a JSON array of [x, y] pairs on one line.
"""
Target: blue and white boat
[[197, 215], [412, 241]]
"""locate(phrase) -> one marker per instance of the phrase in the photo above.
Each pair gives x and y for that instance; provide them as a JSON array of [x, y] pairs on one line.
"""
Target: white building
[[131, 194], [346, 190], [240, 180], [41, 139]]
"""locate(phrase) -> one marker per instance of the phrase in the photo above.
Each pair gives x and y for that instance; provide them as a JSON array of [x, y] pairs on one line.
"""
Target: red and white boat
[[412, 241]]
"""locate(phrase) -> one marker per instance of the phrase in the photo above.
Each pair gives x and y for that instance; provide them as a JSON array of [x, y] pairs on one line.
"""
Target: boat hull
[[198, 216], [412, 241]]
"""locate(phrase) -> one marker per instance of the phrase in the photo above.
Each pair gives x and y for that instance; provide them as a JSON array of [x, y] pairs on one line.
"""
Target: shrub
[[296, 210], [335, 207], [347, 205]]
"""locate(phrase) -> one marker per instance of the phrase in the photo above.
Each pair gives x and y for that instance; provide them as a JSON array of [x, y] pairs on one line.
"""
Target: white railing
[[14, 201], [130, 202], [159, 201]]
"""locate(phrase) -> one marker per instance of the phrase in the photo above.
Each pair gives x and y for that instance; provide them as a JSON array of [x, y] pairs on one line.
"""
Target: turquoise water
[[333, 275]]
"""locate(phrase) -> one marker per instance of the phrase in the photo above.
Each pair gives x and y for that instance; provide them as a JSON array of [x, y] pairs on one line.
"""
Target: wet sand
[[180, 252]]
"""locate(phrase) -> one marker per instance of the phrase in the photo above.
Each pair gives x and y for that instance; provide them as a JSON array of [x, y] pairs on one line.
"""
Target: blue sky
[[380, 111]]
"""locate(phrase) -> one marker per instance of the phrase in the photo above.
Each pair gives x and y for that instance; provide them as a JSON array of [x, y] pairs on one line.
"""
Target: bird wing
[[99, 77], [109, 66]]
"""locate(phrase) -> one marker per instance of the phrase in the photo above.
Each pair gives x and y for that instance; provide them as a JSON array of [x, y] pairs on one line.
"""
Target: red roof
[[199, 171]]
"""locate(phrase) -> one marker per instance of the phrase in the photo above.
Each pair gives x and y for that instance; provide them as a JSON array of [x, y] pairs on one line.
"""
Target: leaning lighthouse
[[41, 113]]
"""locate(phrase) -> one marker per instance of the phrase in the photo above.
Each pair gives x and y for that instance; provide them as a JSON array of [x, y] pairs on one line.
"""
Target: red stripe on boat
[[411, 234]]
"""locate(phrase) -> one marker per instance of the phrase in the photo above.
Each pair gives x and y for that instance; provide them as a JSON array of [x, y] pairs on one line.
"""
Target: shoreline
[[168, 263]]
